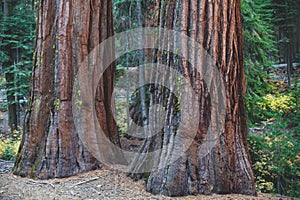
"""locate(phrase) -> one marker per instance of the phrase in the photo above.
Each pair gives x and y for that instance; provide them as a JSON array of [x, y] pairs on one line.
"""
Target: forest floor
[[100, 184]]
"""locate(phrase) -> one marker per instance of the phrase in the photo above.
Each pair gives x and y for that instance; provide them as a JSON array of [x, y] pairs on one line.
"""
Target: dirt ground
[[99, 184]]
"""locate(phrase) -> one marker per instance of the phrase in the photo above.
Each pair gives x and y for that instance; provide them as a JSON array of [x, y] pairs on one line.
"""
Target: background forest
[[272, 64]]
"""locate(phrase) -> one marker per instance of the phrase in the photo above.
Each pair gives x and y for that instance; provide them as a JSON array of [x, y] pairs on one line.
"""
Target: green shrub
[[121, 116], [278, 104], [8, 149], [275, 157]]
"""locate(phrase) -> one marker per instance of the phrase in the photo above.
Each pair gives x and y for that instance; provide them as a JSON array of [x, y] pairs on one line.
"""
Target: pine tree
[[260, 51], [16, 36], [287, 23]]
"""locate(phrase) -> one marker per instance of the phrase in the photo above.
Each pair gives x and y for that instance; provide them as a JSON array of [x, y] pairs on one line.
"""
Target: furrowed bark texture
[[67, 31], [216, 26]]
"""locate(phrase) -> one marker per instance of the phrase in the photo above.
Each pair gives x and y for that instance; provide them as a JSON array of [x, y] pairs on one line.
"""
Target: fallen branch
[[88, 181], [40, 183]]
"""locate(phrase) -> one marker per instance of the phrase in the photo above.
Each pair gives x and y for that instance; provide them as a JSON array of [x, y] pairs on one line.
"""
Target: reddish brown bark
[[67, 31], [217, 27]]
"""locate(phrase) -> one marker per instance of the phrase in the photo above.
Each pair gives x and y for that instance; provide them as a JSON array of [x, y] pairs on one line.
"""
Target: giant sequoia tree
[[67, 30], [226, 168]]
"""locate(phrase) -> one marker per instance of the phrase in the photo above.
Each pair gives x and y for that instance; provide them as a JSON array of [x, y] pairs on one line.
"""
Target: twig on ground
[[84, 182], [96, 191], [40, 183]]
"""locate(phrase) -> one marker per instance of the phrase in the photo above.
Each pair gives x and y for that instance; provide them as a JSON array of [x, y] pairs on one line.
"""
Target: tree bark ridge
[[217, 27], [67, 31]]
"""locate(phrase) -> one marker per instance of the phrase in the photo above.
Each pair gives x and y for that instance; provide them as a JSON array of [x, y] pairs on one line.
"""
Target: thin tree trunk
[[67, 31], [289, 64], [142, 90], [8, 7]]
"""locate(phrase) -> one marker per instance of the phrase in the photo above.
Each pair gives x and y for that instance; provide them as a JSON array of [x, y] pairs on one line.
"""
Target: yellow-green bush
[[275, 158], [8, 149], [278, 103]]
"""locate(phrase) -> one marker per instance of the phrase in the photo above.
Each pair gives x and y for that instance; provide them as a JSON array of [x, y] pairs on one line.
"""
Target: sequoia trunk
[[217, 27], [67, 31]]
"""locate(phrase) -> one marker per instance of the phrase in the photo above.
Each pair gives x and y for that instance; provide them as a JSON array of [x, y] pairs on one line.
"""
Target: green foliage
[[126, 15], [17, 35], [284, 16], [122, 117], [9, 149], [126, 18], [260, 44], [256, 89], [275, 151], [278, 103], [275, 154], [259, 49], [286, 19]]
